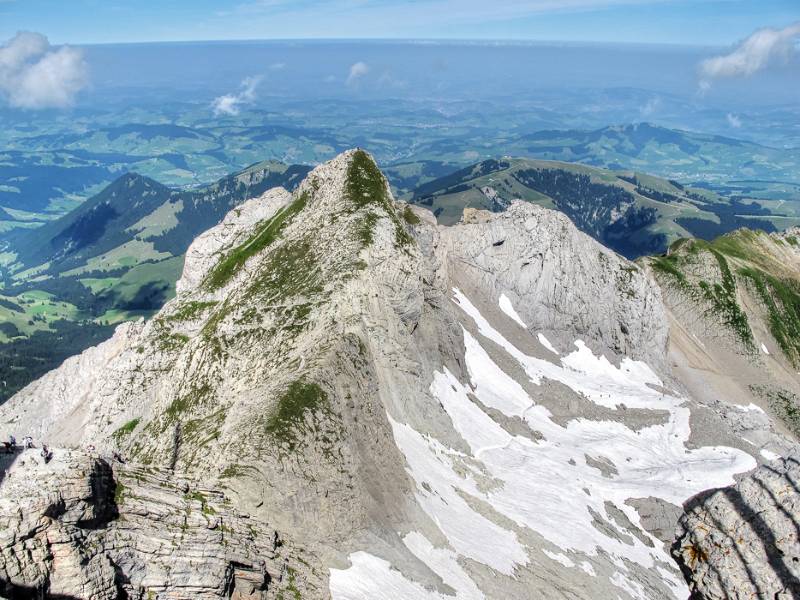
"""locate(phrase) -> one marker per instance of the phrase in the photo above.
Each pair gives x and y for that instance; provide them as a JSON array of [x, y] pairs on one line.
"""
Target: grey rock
[[742, 541], [87, 527]]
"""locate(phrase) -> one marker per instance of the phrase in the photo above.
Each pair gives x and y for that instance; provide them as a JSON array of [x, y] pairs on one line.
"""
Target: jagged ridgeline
[[404, 409]]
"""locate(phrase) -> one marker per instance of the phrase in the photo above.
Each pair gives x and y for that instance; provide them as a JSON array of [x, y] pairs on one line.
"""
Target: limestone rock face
[[82, 526], [479, 411], [532, 253], [742, 541]]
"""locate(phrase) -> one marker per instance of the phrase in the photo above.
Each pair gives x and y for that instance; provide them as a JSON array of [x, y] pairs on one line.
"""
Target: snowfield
[[544, 482]]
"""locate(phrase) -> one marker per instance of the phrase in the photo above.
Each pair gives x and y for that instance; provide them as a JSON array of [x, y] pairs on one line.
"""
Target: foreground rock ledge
[[742, 541], [83, 524]]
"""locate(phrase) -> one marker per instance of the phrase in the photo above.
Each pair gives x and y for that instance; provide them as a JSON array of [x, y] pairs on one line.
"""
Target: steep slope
[[630, 212], [477, 411], [735, 312], [114, 258]]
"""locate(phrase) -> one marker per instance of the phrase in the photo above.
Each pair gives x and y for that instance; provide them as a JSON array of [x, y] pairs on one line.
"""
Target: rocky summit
[[346, 400]]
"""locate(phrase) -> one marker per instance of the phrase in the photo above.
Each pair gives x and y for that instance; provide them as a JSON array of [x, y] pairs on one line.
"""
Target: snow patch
[[508, 308], [769, 455], [559, 558], [546, 343], [443, 476], [445, 564], [538, 482], [764, 349], [372, 578]]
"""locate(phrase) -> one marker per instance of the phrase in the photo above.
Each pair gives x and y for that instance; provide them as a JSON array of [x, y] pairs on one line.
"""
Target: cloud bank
[[734, 121], [36, 75], [762, 48], [357, 71], [231, 104]]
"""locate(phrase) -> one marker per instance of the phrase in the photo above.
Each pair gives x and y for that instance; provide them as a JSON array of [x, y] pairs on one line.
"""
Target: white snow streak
[[546, 486], [769, 455], [560, 558], [372, 578], [546, 343], [764, 349], [508, 308]]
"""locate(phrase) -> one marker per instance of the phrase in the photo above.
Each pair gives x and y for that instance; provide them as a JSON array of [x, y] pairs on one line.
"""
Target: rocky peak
[[477, 411]]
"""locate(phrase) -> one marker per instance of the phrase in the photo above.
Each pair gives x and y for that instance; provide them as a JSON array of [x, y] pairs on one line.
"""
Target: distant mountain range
[[629, 211], [136, 219], [44, 175], [683, 155]]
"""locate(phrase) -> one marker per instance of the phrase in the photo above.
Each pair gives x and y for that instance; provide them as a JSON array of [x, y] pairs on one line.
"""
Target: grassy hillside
[[724, 273]]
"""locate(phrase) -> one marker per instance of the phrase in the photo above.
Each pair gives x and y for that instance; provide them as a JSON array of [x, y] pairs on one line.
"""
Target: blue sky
[[707, 22]]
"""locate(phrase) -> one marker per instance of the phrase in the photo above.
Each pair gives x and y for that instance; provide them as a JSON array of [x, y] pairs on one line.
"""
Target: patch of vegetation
[[723, 297], [8, 329], [410, 217], [287, 422], [169, 342], [738, 244], [266, 234], [198, 496], [366, 187], [126, 429], [786, 404], [190, 311], [782, 300], [669, 265], [292, 270], [365, 183], [232, 471], [119, 492], [13, 306], [185, 403], [366, 229], [792, 240]]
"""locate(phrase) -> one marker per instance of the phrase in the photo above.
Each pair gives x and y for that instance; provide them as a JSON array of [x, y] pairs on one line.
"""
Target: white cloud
[[650, 107], [734, 120], [230, 104], [357, 71], [278, 66], [34, 74], [762, 48]]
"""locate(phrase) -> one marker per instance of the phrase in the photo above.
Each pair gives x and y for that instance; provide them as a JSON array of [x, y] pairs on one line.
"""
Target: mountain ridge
[[391, 394]]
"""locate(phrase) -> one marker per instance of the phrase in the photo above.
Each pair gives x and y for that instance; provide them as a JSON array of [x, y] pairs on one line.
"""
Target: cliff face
[[79, 526], [478, 411]]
